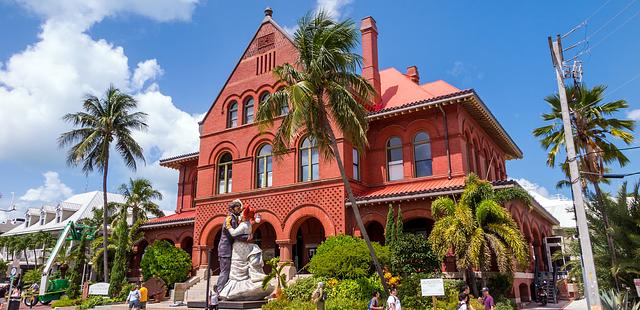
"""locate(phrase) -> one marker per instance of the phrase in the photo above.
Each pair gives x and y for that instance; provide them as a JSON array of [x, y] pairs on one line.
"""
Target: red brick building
[[424, 138]]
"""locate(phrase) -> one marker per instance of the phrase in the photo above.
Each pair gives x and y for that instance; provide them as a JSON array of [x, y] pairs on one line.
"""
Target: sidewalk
[[580, 304]]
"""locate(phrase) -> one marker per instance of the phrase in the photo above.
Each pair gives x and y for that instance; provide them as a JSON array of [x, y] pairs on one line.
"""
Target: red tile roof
[[397, 89], [178, 217], [419, 187]]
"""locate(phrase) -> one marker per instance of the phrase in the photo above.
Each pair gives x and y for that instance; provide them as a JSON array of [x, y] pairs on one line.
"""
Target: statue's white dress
[[246, 275]]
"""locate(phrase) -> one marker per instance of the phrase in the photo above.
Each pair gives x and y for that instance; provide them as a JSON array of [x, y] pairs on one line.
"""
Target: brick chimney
[[370, 69], [412, 74]]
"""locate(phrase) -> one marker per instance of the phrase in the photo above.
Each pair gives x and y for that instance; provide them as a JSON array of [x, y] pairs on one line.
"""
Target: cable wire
[[612, 18]]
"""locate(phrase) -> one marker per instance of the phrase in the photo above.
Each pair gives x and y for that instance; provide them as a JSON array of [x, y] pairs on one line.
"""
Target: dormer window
[[43, 216], [28, 219], [58, 214]]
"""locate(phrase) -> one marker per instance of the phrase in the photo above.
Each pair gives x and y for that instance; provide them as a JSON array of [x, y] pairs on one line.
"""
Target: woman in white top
[[393, 302], [246, 275]]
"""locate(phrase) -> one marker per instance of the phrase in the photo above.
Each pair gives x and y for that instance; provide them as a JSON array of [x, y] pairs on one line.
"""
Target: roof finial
[[268, 12]]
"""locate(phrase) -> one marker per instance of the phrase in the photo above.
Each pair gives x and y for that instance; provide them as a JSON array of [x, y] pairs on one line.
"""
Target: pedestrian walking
[[144, 295], [133, 299], [463, 299], [393, 302], [374, 303], [319, 296], [213, 298], [486, 300]]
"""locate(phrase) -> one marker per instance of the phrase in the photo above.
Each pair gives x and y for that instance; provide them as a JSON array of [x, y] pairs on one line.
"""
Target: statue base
[[254, 304]]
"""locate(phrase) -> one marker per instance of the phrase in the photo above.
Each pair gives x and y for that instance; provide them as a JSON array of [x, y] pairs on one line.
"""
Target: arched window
[[232, 115], [264, 168], [422, 155], [224, 174], [469, 158], [356, 164], [394, 159], [248, 111], [309, 160], [285, 108]]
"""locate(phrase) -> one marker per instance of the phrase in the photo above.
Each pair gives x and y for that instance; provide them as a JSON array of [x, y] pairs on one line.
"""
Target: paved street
[[565, 305]]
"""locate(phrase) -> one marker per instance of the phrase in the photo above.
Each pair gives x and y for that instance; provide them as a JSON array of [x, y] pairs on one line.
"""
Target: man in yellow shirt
[[143, 296]]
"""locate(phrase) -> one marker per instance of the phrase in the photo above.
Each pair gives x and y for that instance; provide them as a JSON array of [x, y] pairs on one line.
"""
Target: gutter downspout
[[184, 172], [446, 139]]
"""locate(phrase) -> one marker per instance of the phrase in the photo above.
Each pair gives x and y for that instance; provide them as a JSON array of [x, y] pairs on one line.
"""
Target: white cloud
[[84, 13], [559, 206], [466, 72], [332, 7], [50, 78], [51, 191], [145, 71], [634, 115]]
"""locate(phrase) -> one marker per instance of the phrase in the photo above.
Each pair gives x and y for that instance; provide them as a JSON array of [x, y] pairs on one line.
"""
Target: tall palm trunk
[[26, 258], [105, 254], [354, 206], [35, 257]]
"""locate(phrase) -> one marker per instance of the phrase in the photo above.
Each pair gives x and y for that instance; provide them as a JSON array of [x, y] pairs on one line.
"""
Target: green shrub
[[358, 289], [346, 257], [124, 292], [94, 301], [302, 288], [165, 261], [411, 253], [31, 276], [345, 304], [500, 284], [503, 303], [65, 301], [285, 304]]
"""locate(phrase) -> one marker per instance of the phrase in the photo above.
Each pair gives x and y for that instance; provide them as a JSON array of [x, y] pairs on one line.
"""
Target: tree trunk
[[35, 258], [474, 283], [26, 258], [105, 213], [354, 206]]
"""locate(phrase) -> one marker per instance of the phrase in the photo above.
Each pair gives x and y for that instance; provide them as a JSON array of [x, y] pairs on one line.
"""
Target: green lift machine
[[51, 290]]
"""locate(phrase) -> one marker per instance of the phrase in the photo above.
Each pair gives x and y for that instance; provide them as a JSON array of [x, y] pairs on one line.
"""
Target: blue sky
[[175, 55]]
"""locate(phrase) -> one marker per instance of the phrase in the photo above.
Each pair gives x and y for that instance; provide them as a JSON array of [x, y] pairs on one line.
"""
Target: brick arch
[[245, 94], [184, 234], [423, 125], [294, 219], [416, 213], [167, 236], [374, 216], [387, 132], [225, 104], [211, 226], [268, 87], [256, 142], [220, 148], [271, 218]]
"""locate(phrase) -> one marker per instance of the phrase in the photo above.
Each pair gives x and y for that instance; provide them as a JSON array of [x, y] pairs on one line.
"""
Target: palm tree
[[477, 229], [22, 244], [104, 122], [323, 89], [139, 195], [48, 242], [594, 127], [277, 274]]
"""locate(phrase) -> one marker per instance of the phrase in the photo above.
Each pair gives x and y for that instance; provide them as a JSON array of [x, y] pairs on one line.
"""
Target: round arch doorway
[[309, 235]]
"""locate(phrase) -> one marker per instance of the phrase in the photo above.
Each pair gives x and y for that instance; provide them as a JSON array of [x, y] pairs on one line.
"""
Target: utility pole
[[588, 268]]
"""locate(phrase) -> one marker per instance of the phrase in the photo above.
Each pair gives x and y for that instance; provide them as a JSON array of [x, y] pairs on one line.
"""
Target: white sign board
[[100, 288], [636, 282], [432, 287]]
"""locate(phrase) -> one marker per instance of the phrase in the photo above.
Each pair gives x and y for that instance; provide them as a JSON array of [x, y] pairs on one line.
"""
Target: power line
[[612, 18], [586, 20], [602, 151], [623, 84], [615, 30]]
